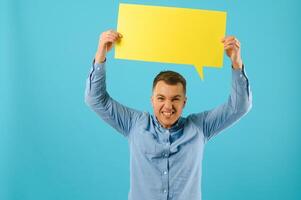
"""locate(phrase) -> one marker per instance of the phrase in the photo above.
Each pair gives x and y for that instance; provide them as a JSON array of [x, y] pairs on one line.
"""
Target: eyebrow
[[161, 95]]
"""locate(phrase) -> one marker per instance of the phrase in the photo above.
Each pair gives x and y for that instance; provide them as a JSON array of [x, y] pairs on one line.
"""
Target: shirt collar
[[176, 126]]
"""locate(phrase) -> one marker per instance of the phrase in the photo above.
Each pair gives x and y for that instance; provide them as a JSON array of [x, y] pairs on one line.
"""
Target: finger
[[234, 43], [115, 33], [119, 34], [228, 38], [237, 44], [110, 31], [111, 34], [111, 39], [228, 48], [232, 46], [115, 36], [230, 43], [231, 40]]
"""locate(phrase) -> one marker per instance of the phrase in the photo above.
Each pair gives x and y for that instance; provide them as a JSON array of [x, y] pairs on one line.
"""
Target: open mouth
[[167, 114]]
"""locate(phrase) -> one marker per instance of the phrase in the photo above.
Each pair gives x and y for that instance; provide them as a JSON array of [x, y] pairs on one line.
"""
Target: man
[[166, 149]]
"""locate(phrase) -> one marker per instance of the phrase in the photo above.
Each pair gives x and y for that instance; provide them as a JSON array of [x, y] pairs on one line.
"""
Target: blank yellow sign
[[171, 35]]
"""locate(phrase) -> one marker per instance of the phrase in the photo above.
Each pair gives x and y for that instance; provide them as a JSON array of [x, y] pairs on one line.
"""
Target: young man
[[166, 149]]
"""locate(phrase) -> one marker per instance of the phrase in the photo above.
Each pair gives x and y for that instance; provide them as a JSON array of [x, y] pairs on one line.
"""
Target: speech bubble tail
[[200, 71]]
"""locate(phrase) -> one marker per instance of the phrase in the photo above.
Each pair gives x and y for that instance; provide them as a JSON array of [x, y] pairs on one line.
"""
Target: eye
[[160, 98], [176, 99]]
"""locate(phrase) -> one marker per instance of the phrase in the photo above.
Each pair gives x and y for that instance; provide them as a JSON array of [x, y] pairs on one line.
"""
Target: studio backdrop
[[52, 146]]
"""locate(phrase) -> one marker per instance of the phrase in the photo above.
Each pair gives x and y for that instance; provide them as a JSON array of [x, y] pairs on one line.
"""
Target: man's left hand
[[232, 49]]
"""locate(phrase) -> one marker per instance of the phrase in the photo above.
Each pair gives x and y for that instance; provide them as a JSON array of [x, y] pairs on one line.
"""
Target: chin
[[169, 123]]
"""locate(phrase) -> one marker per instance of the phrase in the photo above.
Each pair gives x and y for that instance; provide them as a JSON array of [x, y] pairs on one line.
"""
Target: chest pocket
[[146, 142]]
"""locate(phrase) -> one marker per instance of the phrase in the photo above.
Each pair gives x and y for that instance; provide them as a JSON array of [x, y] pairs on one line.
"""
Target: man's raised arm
[[118, 116], [239, 101]]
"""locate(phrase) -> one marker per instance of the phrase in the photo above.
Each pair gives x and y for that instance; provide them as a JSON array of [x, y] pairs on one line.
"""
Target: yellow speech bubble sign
[[171, 35]]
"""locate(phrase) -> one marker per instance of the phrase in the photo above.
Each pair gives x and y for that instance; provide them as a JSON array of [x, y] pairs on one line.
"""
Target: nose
[[168, 105]]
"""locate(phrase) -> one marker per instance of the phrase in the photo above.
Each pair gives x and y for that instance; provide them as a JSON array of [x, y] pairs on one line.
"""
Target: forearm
[[96, 93], [97, 98], [241, 95], [100, 55], [238, 104]]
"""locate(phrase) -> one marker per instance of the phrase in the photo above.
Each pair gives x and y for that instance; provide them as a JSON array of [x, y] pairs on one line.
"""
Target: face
[[168, 102]]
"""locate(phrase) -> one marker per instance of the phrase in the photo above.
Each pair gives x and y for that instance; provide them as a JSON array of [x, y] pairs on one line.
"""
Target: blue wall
[[53, 147]]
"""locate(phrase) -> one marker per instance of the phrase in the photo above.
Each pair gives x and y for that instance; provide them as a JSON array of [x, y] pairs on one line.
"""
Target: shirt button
[[165, 172], [164, 191], [98, 68], [240, 76], [165, 155]]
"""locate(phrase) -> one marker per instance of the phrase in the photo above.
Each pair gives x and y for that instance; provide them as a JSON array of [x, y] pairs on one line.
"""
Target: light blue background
[[53, 147]]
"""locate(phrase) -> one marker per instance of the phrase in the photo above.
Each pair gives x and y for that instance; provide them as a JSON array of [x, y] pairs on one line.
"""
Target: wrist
[[102, 48], [237, 64], [101, 52], [100, 57]]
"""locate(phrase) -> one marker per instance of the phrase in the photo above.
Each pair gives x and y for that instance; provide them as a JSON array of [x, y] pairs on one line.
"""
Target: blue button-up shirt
[[166, 163]]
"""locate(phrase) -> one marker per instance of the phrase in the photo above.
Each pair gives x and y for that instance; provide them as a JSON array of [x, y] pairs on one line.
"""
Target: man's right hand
[[106, 42]]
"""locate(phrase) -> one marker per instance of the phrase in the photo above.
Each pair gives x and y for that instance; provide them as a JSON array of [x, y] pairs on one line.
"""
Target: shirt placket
[[165, 169]]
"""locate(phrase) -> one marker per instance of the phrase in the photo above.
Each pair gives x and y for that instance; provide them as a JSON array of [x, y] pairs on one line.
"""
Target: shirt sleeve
[[98, 99], [239, 103]]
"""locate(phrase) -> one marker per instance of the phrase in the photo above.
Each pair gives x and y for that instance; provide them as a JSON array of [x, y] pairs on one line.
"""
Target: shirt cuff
[[240, 78], [97, 66], [239, 74]]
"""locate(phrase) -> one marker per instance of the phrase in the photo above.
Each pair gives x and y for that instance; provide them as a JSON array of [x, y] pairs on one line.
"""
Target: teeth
[[167, 114]]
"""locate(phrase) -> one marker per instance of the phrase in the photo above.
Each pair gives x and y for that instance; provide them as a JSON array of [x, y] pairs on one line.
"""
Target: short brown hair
[[170, 78]]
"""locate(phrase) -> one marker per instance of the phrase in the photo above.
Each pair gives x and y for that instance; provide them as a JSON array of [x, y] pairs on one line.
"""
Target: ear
[[185, 102], [152, 100]]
